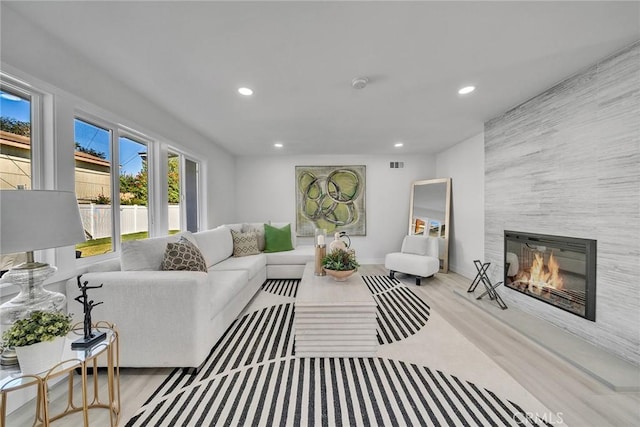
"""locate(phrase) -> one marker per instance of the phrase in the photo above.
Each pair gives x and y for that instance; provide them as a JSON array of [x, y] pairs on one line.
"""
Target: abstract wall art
[[330, 197]]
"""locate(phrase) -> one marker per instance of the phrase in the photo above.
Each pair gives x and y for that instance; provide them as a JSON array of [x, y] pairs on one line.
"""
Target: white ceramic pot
[[40, 357]]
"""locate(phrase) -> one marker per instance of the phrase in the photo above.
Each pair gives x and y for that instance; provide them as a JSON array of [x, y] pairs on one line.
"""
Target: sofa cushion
[[277, 239], [183, 256], [215, 245], [418, 265], [244, 244], [300, 255], [225, 285], [257, 228], [106, 265], [147, 254], [253, 264], [414, 245]]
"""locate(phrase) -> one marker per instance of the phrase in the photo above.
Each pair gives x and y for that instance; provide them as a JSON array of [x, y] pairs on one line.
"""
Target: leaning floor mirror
[[429, 213]]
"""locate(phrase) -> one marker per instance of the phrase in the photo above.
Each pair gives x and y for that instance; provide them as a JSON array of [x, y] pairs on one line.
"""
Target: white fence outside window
[[96, 219]]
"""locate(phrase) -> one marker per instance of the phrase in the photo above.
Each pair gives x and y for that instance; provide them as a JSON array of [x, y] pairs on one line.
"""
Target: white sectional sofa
[[173, 318]]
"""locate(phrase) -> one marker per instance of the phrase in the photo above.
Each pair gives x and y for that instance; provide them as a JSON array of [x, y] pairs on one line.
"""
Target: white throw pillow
[[216, 244]]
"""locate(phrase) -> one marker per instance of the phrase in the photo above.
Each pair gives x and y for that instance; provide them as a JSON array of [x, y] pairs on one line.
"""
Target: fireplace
[[558, 270]]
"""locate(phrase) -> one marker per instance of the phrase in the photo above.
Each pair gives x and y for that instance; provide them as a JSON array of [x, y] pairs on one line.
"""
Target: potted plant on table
[[340, 264], [38, 340]]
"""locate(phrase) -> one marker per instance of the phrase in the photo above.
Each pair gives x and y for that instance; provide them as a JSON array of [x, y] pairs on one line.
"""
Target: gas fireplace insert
[[558, 270]]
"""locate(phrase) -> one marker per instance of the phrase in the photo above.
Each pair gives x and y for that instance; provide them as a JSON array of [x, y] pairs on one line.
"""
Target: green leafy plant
[[39, 326], [340, 260]]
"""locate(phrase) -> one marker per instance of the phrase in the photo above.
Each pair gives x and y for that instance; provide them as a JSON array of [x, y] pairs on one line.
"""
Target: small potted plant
[[340, 264], [38, 340]]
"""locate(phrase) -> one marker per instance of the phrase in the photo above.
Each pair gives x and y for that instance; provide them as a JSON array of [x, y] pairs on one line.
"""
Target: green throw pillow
[[277, 239]]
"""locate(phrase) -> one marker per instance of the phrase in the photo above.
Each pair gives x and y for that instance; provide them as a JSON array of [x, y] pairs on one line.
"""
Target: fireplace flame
[[541, 277]]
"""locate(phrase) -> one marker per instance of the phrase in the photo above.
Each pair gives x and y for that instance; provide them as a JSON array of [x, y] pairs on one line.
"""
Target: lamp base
[[9, 357], [83, 343], [33, 296]]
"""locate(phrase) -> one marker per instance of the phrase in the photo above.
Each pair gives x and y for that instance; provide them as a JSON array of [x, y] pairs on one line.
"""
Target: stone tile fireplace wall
[[567, 162]]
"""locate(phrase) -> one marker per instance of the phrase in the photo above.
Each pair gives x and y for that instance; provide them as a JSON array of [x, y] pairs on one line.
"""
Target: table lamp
[[31, 220]]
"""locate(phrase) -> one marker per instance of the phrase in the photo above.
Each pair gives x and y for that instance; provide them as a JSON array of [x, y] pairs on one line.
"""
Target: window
[[97, 184], [16, 129], [191, 194], [183, 193], [20, 145], [173, 181], [134, 189], [93, 178], [116, 202]]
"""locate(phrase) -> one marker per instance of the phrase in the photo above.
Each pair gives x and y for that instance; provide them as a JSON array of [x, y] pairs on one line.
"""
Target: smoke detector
[[359, 82]]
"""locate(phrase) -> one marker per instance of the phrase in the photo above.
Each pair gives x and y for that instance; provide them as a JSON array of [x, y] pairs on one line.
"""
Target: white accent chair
[[418, 257]]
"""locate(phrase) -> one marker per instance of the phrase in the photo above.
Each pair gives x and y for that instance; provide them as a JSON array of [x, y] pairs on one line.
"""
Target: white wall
[[464, 163], [266, 191]]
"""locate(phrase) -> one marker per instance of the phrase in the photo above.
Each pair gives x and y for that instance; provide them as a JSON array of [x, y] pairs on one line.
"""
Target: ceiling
[[300, 58]]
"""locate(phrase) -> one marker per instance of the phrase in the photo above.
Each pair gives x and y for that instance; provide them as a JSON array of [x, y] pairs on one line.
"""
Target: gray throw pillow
[[259, 230], [184, 256]]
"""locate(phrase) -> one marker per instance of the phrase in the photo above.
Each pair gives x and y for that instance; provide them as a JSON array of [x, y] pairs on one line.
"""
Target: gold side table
[[104, 354]]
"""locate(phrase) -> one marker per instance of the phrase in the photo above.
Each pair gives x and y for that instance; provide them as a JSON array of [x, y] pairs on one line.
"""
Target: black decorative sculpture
[[90, 338]]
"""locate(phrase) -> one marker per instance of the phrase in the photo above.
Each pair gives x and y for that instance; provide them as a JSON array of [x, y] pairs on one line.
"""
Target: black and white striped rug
[[282, 287], [401, 312], [252, 378]]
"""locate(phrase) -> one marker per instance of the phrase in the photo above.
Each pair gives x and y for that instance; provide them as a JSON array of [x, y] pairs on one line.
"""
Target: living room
[[574, 130]]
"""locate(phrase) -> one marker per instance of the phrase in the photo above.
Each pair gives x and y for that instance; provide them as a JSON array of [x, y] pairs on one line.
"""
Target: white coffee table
[[334, 319]]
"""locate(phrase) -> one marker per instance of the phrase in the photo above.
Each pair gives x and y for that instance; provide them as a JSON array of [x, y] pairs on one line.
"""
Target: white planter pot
[[40, 357]]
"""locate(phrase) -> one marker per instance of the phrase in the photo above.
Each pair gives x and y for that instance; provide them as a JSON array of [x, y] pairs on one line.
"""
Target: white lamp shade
[[38, 219]]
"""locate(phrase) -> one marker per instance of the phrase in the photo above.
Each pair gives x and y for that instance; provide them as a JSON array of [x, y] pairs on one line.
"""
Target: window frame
[[38, 155], [36, 100], [115, 184], [117, 131], [182, 159], [135, 136]]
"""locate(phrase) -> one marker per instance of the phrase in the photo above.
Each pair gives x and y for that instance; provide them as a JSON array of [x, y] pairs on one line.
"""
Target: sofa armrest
[[151, 309]]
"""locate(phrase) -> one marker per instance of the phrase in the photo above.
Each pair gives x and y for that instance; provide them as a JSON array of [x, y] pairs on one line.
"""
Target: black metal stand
[[490, 288], [83, 343]]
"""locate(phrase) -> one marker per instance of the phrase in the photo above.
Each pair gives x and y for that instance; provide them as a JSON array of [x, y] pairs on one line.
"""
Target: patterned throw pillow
[[183, 255], [244, 243]]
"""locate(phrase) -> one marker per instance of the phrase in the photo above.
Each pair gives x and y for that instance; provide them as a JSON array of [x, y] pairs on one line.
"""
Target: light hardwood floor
[[569, 393]]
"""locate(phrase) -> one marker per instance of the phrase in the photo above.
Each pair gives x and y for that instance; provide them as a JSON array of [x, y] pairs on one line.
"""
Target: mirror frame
[[444, 258]]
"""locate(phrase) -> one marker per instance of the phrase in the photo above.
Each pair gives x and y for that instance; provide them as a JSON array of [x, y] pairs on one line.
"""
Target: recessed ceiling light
[[245, 91], [466, 90], [398, 144], [278, 145]]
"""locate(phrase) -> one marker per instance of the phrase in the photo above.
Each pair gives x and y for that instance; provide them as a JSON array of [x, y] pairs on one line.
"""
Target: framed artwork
[[330, 197]]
